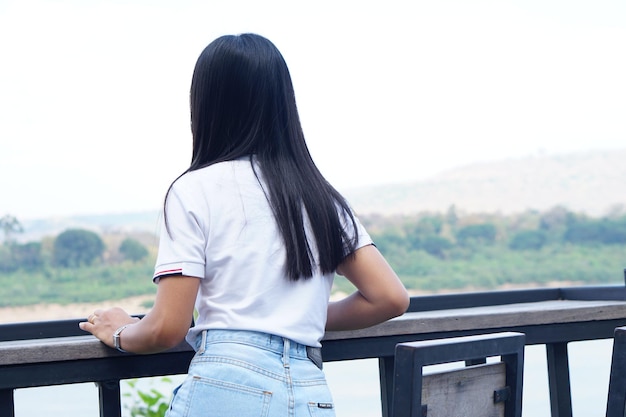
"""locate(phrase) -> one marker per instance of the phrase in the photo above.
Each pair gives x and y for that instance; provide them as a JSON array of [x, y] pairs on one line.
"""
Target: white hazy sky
[[94, 94]]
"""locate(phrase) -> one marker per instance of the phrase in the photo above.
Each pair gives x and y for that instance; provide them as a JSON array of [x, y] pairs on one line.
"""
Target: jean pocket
[[210, 397]]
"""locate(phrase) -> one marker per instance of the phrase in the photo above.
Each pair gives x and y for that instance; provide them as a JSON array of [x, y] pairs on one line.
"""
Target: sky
[[94, 114]]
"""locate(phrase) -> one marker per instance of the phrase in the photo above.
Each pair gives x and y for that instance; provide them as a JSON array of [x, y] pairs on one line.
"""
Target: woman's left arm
[[164, 327]]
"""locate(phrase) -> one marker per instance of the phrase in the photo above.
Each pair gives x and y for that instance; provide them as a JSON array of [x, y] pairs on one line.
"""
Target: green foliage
[[602, 231], [495, 267], [147, 403], [528, 240], [436, 246], [429, 252], [7, 260], [429, 225], [77, 247], [477, 233], [10, 226], [29, 255], [16, 256], [494, 251], [76, 285], [133, 250]]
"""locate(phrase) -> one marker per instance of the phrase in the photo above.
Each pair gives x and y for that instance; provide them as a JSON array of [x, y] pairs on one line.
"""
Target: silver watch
[[116, 338]]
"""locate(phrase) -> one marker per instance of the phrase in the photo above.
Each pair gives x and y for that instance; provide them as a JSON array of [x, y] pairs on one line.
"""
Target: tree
[[28, 256], [7, 260], [10, 225], [555, 219], [479, 233], [603, 231], [77, 247], [436, 246], [389, 241], [133, 250], [528, 240], [429, 225]]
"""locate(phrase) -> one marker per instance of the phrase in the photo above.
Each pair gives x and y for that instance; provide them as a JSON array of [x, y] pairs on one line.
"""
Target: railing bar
[[608, 293], [7, 403], [480, 299], [42, 329], [385, 377], [559, 380], [69, 328], [110, 399]]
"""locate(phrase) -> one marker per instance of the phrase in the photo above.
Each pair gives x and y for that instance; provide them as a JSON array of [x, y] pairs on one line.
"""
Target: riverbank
[[46, 312], [140, 304]]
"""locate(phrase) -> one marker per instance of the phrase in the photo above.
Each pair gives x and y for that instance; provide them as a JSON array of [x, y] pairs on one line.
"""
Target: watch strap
[[117, 339]]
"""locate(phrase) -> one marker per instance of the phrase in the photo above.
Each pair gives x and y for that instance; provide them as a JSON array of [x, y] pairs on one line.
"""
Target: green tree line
[[77, 265], [430, 252], [448, 251]]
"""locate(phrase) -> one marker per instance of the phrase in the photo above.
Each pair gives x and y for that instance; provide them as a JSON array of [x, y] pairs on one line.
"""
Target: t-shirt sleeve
[[363, 238], [183, 240], [358, 235]]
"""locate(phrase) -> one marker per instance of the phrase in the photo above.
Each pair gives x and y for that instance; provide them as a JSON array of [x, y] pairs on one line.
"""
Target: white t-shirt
[[222, 230]]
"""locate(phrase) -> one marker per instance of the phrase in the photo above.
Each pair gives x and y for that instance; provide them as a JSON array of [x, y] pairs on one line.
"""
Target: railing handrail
[[39, 358], [69, 327]]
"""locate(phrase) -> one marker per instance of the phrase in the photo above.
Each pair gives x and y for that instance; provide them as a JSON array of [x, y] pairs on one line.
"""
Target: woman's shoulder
[[222, 179], [213, 173]]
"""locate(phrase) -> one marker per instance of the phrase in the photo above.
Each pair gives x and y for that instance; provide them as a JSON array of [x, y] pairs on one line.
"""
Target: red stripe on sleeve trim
[[169, 271]]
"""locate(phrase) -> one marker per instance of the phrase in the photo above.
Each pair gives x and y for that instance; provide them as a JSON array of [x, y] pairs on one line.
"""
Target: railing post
[[109, 396], [7, 404], [385, 376], [616, 402], [558, 379]]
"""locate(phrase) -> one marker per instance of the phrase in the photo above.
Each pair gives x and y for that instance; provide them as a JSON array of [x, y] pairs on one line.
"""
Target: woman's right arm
[[380, 294]]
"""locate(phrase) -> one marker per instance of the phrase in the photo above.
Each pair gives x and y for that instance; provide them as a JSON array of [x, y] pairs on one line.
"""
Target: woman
[[252, 237]]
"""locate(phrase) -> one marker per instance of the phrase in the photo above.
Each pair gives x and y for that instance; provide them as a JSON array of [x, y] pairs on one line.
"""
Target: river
[[356, 390]]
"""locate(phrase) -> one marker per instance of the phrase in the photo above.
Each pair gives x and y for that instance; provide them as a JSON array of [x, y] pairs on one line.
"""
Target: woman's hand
[[103, 323], [162, 328]]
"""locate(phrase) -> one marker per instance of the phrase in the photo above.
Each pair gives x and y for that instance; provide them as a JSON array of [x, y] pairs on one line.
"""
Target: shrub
[[133, 250], [77, 247], [528, 240], [479, 233], [596, 231], [436, 245]]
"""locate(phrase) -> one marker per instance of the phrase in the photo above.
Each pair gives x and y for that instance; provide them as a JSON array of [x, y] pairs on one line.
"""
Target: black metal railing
[[106, 367]]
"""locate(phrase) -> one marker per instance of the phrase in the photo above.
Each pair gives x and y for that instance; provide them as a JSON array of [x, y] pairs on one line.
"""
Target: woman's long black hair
[[243, 104]]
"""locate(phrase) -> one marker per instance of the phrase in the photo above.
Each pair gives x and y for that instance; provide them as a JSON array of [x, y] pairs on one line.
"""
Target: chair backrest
[[485, 390], [616, 402]]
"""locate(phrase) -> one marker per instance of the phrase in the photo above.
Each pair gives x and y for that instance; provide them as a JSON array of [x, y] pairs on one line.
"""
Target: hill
[[591, 182]]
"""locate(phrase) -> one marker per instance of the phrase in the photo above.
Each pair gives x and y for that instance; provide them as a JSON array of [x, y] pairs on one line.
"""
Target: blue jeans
[[240, 373]]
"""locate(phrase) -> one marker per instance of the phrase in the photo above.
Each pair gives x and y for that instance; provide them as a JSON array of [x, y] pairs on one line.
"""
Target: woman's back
[[220, 220]]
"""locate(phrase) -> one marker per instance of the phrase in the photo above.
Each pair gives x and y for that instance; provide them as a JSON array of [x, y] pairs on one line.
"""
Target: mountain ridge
[[592, 182]]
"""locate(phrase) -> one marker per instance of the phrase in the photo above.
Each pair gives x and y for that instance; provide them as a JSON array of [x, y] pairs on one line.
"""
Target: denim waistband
[[259, 339]]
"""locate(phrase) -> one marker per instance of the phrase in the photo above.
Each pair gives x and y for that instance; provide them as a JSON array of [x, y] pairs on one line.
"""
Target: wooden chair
[[616, 403], [485, 390]]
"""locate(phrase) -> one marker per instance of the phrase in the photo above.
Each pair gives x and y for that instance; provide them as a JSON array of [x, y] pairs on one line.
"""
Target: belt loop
[[286, 352], [202, 347]]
